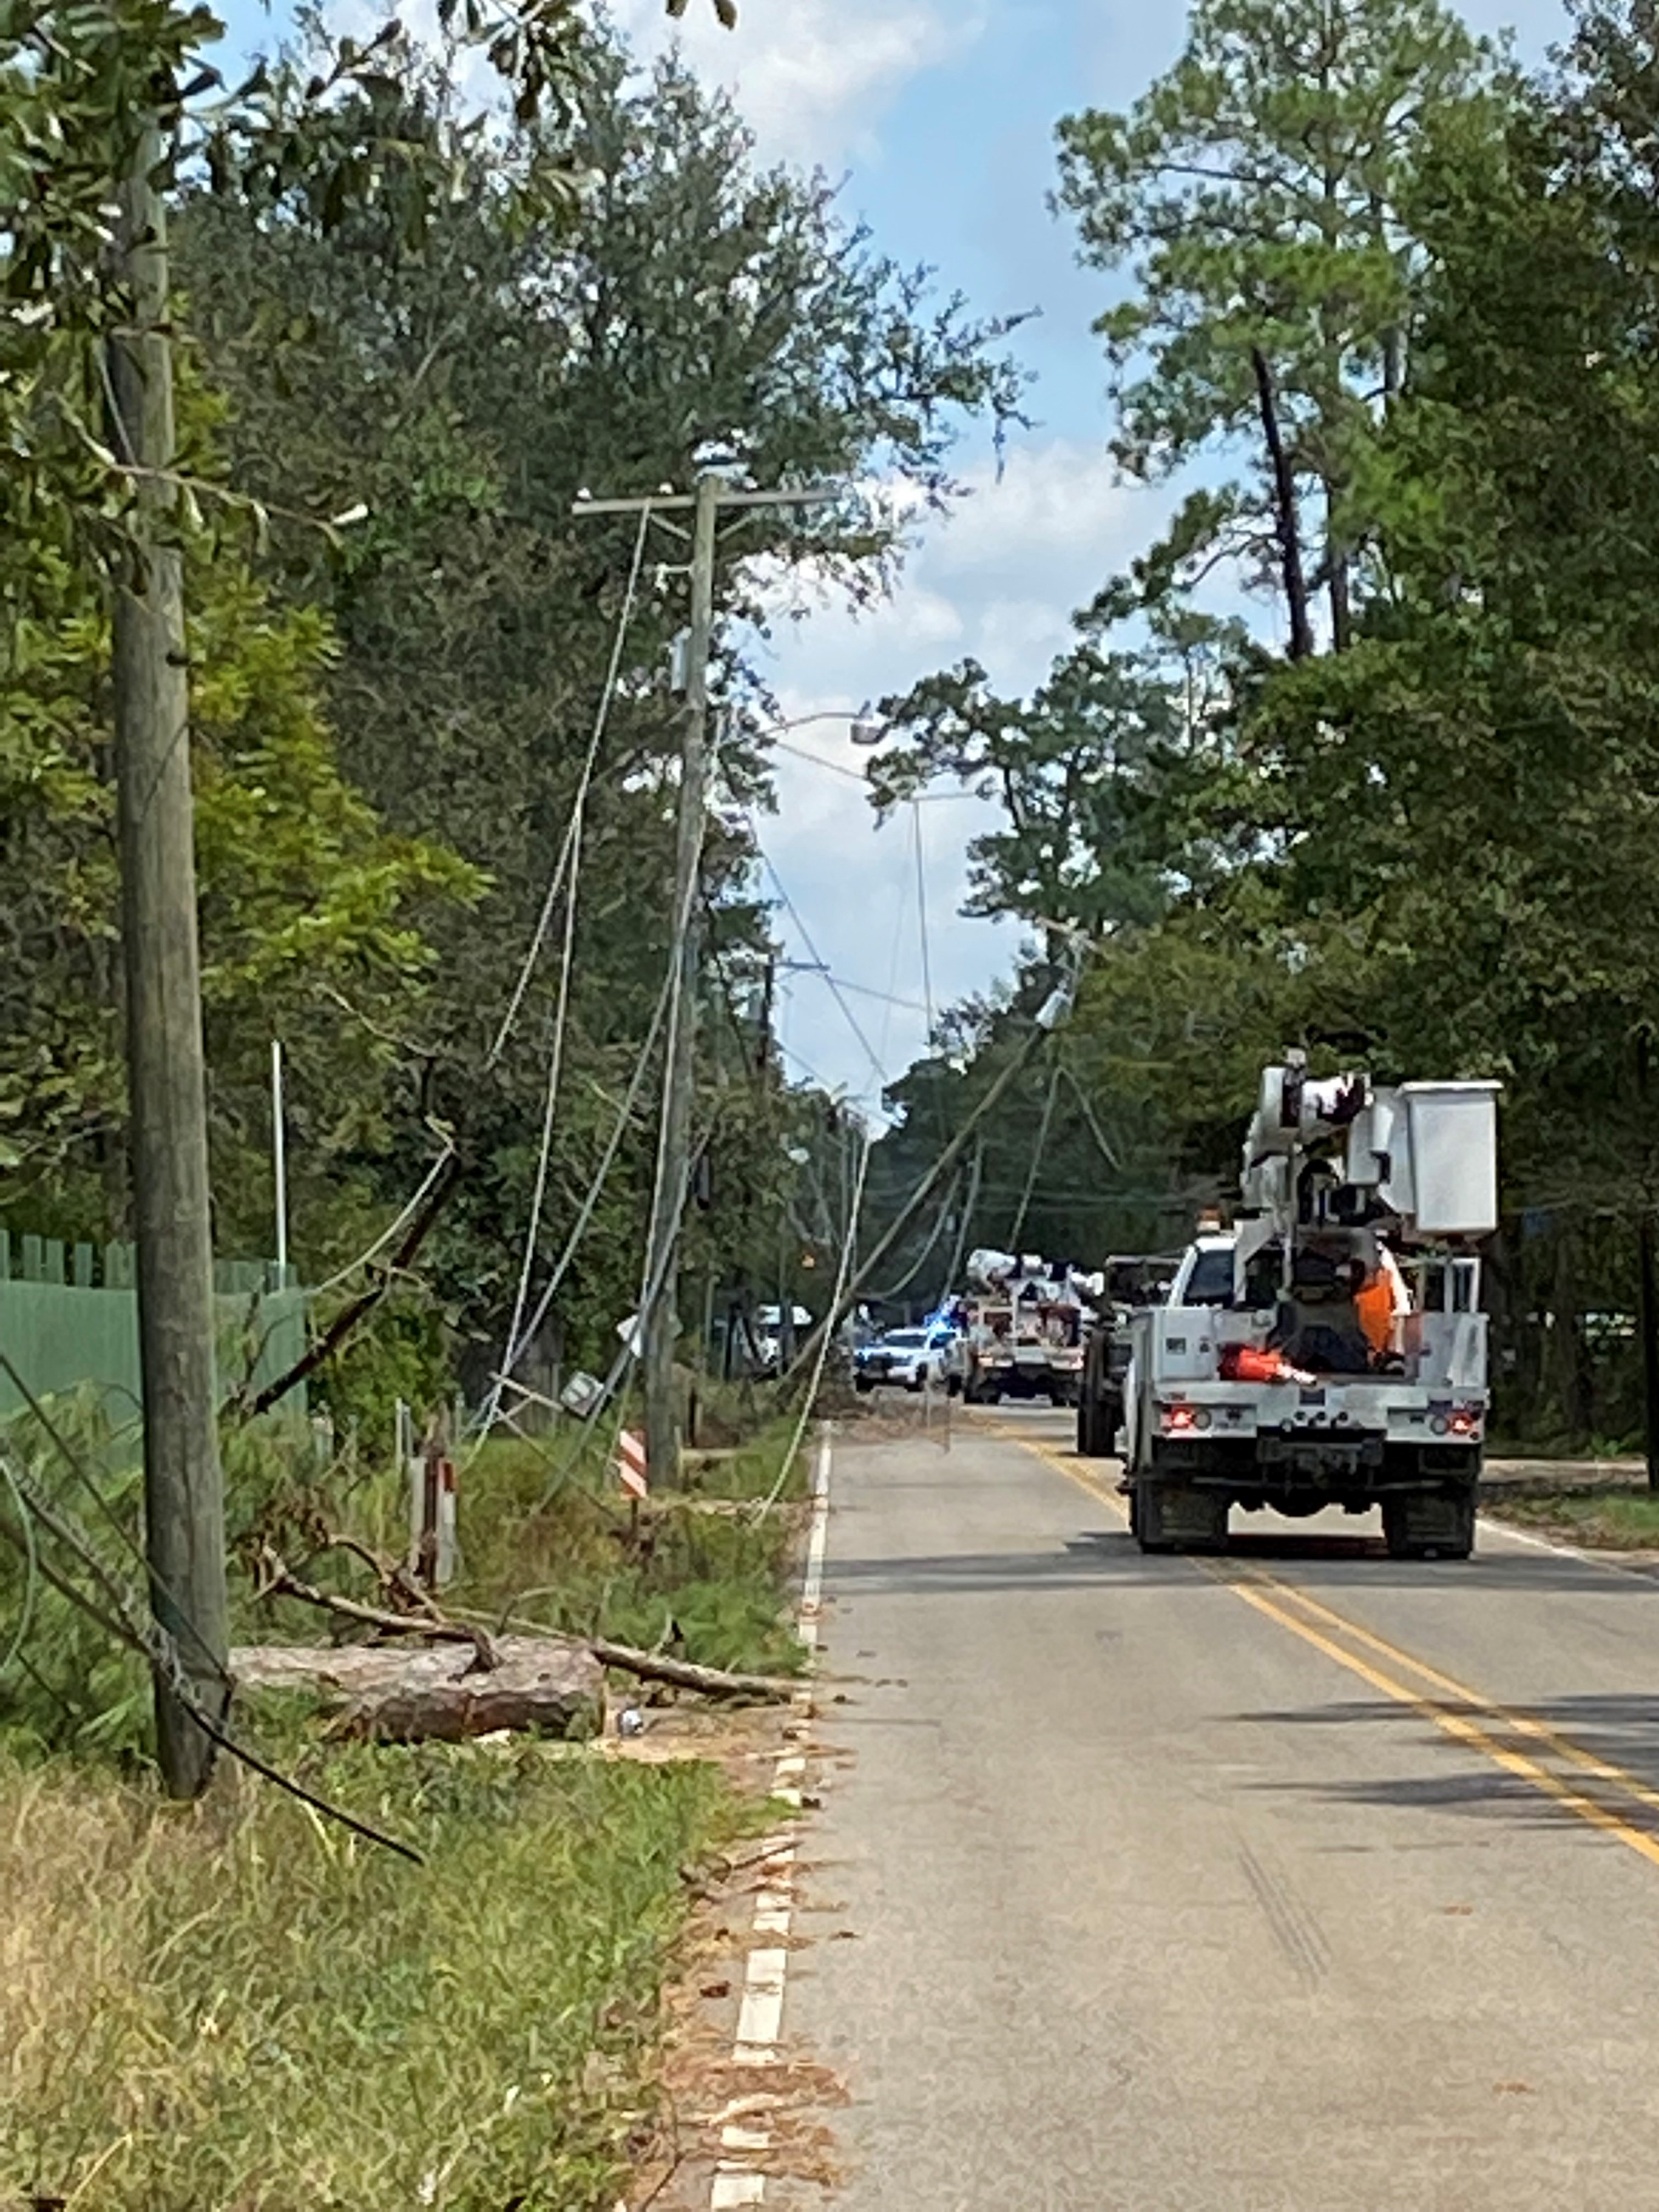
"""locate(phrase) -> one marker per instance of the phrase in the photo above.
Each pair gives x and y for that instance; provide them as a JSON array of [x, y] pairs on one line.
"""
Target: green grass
[[576, 1562], [1608, 1520], [238, 2007]]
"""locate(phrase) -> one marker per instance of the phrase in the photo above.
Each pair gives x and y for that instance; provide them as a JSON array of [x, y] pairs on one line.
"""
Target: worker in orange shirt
[[1380, 1302]]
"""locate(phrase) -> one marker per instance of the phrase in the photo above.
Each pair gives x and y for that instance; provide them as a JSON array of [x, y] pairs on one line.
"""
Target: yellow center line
[[1252, 1584]]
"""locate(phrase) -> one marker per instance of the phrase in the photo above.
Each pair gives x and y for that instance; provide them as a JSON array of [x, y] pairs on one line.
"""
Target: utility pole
[[660, 1321], [184, 1507], [661, 1315]]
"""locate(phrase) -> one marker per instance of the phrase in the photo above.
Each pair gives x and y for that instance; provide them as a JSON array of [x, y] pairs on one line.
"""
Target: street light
[[868, 727]]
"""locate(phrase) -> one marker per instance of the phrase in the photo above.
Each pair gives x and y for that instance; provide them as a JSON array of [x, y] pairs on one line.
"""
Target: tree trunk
[[1286, 521], [391, 1694]]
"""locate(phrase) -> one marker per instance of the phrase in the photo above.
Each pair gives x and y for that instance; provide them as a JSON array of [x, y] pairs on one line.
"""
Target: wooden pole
[[183, 1512], [661, 1319]]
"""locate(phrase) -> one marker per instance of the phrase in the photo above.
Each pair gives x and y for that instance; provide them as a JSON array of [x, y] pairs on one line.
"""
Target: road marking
[[738, 2179], [1252, 1583], [1460, 1728], [1523, 1724]]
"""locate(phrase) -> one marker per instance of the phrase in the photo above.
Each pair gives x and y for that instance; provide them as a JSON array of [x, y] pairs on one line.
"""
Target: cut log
[[548, 1685]]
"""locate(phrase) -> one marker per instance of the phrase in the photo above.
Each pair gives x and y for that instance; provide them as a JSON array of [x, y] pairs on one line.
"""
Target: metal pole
[[661, 1321], [184, 1509], [279, 1161]]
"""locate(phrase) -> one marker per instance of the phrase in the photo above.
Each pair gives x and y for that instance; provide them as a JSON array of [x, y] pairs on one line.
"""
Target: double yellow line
[[1497, 1732]]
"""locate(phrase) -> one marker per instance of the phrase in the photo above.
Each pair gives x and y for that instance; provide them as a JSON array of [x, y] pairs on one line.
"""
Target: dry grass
[[234, 2008]]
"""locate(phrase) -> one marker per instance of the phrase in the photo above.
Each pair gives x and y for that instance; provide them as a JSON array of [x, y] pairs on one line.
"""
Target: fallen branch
[[277, 1579], [713, 1681], [681, 1674], [396, 1581], [361, 1306]]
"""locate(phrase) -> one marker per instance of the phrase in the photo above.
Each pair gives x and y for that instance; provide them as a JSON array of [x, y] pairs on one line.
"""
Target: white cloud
[[811, 78], [996, 581]]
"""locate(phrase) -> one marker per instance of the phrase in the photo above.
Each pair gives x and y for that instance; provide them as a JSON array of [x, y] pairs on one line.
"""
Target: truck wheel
[[1445, 1530], [1146, 1516], [1092, 1440], [863, 1385]]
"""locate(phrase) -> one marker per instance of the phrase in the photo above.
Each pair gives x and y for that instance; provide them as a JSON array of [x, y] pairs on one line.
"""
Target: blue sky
[[939, 116]]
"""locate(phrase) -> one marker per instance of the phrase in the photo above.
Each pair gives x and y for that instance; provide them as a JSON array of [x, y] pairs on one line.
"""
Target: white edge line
[[760, 2012], [1495, 1525]]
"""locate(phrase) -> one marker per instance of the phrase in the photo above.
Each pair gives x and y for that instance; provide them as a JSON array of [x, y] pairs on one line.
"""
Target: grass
[[578, 1561], [237, 2007], [1605, 1520]]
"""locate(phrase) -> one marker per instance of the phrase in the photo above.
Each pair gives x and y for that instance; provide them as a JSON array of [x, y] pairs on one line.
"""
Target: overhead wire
[[121, 1618], [921, 921], [345, 1275], [1015, 1233], [809, 1398], [31, 1571], [602, 716], [569, 869], [595, 1189], [852, 1019], [71, 1459], [886, 1298]]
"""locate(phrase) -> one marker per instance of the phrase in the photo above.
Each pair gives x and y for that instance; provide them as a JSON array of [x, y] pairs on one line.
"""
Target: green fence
[[68, 1321]]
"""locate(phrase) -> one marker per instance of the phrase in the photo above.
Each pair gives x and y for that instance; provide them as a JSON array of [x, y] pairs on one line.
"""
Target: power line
[[572, 833], [570, 865], [810, 1398], [886, 1298], [121, 1618], [852, 1022], [1018, 1230], [921, 921], [596, 1186]]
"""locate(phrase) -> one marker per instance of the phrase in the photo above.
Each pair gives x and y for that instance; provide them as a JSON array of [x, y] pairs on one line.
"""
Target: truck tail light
[[1181, 1420], [1465, 1421]]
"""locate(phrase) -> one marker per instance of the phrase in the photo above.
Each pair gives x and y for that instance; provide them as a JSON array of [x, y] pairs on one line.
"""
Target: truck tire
[[1431, 1526], [1146, 1515], [1089, 1424]]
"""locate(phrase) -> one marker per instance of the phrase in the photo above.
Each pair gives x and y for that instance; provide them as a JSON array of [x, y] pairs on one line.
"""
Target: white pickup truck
[[1253, 1383]]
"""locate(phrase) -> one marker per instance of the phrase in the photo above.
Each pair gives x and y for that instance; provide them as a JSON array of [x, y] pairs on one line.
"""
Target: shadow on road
[[1621, 1729], [1108, 1558]]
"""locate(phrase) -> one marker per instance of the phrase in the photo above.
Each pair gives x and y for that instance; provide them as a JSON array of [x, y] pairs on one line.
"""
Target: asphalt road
[[1302, 1879]]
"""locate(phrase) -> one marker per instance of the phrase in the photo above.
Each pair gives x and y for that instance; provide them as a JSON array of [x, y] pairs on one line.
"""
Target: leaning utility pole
[[184, 1507], [659, 1320], [661, 1316]]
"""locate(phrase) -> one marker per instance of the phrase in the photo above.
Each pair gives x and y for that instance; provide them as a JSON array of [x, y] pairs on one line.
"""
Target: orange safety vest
[[1375, 1306]]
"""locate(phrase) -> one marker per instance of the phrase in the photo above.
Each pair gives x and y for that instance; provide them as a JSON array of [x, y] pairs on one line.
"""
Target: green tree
[[463, 395], [1261, 195]]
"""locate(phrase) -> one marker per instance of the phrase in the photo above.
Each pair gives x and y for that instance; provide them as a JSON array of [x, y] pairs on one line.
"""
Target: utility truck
[[1116, 1295], [1020, 1331], [1329, 1349]]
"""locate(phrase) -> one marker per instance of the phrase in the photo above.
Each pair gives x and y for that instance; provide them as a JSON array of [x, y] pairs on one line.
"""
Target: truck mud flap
[[1170, 1516], [1430, 1523]]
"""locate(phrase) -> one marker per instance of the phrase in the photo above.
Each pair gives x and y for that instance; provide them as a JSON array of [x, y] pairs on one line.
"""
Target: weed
[[237, 2007], [1608, 1520]]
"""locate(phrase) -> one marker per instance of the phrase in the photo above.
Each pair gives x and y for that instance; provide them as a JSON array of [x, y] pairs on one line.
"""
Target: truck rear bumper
[[1267, 1470]]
